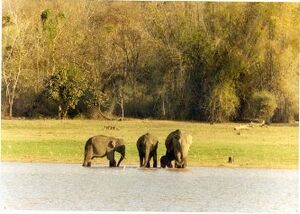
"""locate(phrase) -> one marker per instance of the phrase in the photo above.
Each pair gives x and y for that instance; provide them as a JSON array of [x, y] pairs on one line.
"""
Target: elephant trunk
[[179, 156], [122, 152], [179, 160]]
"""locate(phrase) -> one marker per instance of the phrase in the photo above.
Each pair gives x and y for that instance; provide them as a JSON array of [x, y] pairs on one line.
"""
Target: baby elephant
[[147, 146], [101, 146], [164, 161]]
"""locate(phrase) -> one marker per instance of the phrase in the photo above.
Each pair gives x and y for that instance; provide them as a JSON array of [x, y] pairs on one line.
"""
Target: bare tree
[[15, 52]]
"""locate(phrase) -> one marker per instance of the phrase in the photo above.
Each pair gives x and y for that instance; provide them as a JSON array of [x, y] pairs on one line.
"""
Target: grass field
[[275, 146]]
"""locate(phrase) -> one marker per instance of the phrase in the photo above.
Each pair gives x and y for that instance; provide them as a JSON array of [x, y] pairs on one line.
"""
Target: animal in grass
[[178, 144], [101, 146], [147, 147]]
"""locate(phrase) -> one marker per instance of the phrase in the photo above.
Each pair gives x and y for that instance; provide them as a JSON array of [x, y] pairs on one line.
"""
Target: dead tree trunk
[[101, 113]]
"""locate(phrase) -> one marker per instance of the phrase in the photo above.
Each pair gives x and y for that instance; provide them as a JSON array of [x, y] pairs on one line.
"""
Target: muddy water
[[72, 187]]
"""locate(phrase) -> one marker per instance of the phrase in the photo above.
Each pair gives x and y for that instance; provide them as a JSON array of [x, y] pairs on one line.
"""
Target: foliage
[[223, 103], [172, 60], [263, 105], [65, 88], [50, 22]]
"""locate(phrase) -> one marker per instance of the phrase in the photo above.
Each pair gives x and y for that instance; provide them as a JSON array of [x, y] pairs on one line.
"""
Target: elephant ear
[[112, 144]]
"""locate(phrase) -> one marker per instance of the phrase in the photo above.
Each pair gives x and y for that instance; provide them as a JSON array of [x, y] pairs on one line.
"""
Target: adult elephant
[[147, 146], [101, 146], [177, 144]]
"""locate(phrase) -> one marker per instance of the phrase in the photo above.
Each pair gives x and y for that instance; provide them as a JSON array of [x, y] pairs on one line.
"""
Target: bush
[[263, 105], [223, 103], [65, 88]]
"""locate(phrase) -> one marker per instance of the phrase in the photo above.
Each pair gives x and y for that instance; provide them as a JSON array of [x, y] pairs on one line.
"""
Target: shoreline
[[136, 165]]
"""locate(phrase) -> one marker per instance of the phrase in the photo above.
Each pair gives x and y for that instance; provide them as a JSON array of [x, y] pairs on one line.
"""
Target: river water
[[29, 186]]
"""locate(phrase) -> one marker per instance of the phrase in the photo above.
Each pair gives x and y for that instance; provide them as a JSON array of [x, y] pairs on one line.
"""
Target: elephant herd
[[177, 146]]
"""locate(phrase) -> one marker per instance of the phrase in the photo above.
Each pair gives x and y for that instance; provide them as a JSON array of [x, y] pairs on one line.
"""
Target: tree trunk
[[59, 112], [65, 112], [122, 107], [11, 102], [163, 108], [101, 113], [62, 111]]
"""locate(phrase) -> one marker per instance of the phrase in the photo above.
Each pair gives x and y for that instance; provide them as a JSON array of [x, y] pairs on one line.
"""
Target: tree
[[223, 103], [16, 47], [263, 105], [65, 87], [191, 60]]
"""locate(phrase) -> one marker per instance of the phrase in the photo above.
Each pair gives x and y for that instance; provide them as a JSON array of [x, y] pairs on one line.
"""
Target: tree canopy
[[174, 60]]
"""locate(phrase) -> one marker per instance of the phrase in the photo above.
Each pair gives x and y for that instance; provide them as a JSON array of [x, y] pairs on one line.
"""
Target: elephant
[[101, 146], [177, 144], [164, 161], [147, 147]]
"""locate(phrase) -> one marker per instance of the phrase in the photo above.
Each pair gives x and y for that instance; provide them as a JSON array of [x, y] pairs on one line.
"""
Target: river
[[32, 186]]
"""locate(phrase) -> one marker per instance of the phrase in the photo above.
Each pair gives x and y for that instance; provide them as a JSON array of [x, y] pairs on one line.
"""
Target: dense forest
[[168, 60]]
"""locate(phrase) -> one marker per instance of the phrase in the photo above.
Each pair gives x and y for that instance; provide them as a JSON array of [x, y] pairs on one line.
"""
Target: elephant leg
[[177, 165], [155, 159], [111, 157], [149, 159], [163, 162], [184, 163], [112, 163], [141, 159], [88, 157], [148, 164], [170, 165]]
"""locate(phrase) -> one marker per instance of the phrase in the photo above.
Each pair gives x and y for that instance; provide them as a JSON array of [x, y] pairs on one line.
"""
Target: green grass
[[63, 141]]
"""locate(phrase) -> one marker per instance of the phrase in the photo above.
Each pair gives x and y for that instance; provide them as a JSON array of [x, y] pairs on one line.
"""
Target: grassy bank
[[63, 141]]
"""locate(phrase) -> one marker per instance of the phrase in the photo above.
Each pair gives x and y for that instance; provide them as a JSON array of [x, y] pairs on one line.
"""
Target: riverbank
[[57, 141]]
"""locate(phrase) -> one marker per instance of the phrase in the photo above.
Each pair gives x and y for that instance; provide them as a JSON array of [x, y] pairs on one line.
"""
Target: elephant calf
[[177, 144], [164, 161], [147, 146], [101, 146]]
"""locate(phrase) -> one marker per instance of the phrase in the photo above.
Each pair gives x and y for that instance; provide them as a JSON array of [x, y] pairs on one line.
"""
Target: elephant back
[[102, 144], [146, 139], [178, 138], [119, 142], [150, 138], [177, 134]]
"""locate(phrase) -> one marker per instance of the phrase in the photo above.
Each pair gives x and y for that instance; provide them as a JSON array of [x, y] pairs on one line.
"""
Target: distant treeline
[[172, 60]]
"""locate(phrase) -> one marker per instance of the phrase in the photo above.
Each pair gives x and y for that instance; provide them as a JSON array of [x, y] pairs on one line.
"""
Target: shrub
[[263, 105], [223, 103]]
